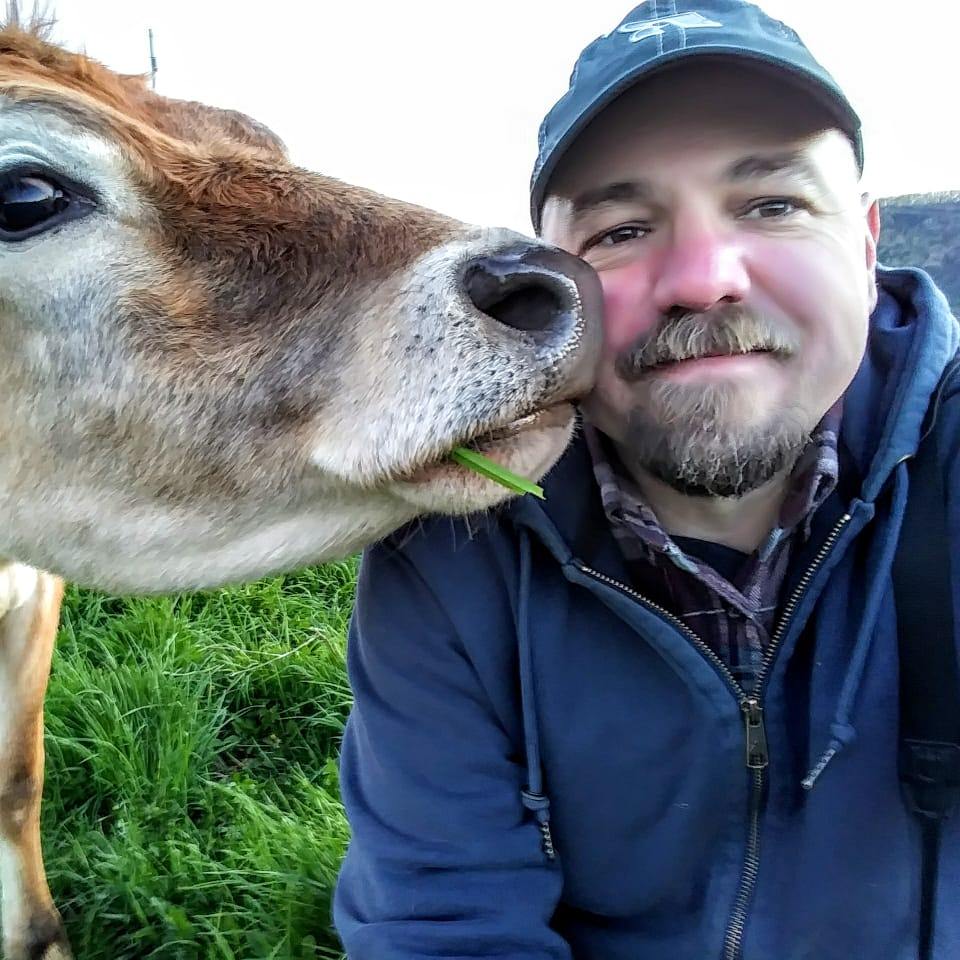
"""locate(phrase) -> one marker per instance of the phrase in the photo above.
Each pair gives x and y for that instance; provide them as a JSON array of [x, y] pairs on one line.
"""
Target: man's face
[[737, 261]]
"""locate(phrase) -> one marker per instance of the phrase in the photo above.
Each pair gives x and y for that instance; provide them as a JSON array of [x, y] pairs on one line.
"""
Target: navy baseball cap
[[660, 33]]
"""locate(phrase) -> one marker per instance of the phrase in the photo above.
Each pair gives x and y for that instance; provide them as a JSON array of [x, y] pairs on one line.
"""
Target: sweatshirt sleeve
[[444, 860]]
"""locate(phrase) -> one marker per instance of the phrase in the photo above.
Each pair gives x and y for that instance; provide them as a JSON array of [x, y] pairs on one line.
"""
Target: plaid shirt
[[734, 619]]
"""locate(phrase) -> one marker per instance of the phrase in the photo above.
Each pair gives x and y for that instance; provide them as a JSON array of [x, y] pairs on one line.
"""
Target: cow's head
[[216, 364]]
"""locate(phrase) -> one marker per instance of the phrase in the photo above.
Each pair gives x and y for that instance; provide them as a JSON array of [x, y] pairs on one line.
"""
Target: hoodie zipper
[[751, 706], [753, 717], [676, 621]]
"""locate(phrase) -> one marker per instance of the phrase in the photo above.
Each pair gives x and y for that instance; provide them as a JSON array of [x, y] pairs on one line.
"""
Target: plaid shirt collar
[[811, 481]]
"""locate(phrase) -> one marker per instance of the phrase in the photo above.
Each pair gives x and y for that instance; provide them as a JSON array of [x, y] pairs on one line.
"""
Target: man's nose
[[703, 266]]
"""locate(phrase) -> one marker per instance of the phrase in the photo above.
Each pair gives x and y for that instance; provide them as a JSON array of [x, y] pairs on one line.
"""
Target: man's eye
[[773, 209], [630, 231]]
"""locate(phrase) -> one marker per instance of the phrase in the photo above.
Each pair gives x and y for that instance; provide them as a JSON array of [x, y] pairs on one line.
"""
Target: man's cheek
[[627, 313]]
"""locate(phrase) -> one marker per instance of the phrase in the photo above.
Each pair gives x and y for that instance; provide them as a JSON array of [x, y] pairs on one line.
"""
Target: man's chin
[[722, 451], [722, 465]]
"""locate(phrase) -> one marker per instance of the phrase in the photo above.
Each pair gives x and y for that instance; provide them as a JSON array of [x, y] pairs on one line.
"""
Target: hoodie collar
[[912, 337]]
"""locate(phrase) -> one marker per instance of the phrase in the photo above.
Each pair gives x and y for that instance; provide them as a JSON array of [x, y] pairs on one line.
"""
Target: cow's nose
[[533, 288]]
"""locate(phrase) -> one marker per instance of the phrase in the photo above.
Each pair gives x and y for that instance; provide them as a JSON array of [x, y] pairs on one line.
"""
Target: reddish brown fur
[[220, 182]]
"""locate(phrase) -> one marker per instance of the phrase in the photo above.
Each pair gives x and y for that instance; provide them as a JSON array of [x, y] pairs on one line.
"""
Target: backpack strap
[[929, 747]]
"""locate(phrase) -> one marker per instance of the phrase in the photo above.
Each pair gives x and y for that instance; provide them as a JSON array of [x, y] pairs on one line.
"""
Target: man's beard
[[703, 440]]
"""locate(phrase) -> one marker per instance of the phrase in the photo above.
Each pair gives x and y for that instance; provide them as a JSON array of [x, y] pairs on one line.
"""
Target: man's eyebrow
[[755, 166], [793, 163], [622, 191]]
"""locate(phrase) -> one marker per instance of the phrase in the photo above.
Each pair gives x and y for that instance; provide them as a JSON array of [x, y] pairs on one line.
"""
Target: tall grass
[[191, 806]]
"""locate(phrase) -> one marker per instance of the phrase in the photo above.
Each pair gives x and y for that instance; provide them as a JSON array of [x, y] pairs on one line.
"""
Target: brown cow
[[216, 365]]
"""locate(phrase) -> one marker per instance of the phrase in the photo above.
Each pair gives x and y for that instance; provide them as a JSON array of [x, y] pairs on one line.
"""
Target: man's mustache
[[725, 331]]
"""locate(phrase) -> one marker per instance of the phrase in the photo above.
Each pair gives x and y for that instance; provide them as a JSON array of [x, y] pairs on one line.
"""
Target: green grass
[[191, 807]]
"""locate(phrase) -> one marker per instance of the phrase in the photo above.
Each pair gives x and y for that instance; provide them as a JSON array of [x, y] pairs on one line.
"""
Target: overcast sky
[[439, 102]]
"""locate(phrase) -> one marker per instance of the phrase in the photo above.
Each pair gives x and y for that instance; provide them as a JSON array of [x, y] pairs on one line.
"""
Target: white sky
[[439, 102]]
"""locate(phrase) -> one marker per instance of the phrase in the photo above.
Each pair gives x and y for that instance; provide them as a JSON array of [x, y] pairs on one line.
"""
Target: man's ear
[[872, 208], [871, 239]]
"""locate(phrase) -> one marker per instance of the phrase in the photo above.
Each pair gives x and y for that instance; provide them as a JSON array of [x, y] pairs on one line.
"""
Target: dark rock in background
[[923, 230]]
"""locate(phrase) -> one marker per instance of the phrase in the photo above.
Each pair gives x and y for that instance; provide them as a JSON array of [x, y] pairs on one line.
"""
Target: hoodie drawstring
[[534, 799]]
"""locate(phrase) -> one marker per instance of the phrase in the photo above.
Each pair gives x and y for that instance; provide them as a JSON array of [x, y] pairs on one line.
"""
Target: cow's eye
[[33, 203]]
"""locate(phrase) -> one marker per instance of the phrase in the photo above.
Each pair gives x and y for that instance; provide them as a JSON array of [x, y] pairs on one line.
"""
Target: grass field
[[191, 806]]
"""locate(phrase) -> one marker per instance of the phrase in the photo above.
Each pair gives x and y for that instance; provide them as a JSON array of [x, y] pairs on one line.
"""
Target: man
[[656, 716]]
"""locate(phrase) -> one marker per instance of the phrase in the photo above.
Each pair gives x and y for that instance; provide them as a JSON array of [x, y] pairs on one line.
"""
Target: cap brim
[[831, 98]]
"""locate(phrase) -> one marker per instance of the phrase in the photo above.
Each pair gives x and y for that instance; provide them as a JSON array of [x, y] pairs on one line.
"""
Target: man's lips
[[709, 360]]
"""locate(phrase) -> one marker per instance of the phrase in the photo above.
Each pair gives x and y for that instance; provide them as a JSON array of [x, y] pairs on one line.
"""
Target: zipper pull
[[757, 757]]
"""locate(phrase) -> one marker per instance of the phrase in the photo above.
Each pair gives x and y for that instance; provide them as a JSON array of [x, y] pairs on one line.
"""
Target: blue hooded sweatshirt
[[539, 764]]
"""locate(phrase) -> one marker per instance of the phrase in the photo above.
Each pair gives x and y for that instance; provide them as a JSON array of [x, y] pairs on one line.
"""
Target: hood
[[913, 336]]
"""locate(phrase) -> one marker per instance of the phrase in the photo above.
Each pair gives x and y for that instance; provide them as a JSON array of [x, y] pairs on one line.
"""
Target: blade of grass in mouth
[[493, 471]]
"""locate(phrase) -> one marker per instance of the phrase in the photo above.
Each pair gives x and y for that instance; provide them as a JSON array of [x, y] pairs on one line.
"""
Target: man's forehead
[[797, 163], [623, 175]]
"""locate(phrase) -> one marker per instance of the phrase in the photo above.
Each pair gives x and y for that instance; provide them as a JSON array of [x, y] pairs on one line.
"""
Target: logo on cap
[[641, 29]]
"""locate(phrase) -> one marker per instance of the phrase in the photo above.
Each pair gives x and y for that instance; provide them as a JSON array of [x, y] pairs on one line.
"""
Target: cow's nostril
[[541, 306], [527, 306], [521, 291]]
